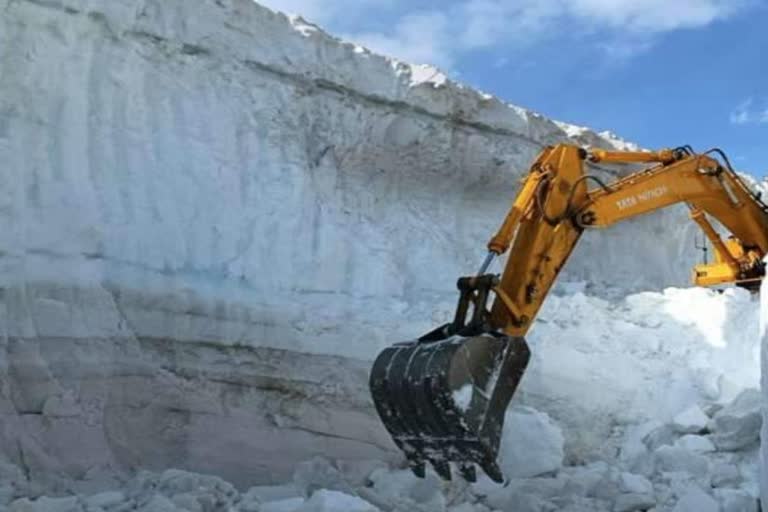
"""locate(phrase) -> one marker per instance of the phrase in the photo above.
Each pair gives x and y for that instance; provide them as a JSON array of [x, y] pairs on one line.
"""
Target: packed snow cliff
[[214, 216]]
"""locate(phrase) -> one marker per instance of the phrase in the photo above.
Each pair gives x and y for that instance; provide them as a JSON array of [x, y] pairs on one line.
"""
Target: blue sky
[[657, 72]]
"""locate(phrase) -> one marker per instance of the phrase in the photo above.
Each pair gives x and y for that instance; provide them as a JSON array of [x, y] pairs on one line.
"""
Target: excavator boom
[[443, 396]]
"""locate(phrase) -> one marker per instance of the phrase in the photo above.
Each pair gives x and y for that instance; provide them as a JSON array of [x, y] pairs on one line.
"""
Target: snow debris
[[425, 74], [267, 493], [532, 444], [738, 425], [334, 501], [733, 500], [695, 444], [663, 435], [318, 473], [633, 445], [678, 460], [696, 500], [304, 27], [725, 474], [691, 420], [105, 500], [46, 504], [286, 505], [664, 462], [636, 484], [633, 502], [395, 489], [673, 482], [462, 397]]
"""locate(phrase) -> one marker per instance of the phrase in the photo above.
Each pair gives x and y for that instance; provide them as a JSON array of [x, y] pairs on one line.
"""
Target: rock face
[[213, 218]]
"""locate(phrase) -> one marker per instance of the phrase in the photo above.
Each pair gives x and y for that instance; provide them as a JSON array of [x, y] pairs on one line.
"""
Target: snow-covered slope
[[214, 217]]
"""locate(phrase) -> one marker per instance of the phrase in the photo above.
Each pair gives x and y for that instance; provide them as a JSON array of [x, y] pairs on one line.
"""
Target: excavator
[[443, 396]]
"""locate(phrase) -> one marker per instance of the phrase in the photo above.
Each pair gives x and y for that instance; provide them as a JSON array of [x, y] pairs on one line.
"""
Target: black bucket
[[444, 401]]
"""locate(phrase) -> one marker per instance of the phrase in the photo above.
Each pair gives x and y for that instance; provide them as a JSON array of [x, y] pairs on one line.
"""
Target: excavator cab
[[443, 397]]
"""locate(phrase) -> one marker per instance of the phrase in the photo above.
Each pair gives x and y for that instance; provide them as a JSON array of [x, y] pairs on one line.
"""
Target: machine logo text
[[647, 195]]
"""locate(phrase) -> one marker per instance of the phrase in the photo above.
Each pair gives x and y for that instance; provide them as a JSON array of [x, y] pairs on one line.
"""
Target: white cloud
[[484, 23], [624, 28], [740, 114], [326, 12], [621, 49], [628, 22], [746, 113], [653, 16], [420, 38]]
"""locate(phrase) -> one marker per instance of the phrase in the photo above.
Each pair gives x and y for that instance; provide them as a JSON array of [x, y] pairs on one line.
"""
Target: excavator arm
[[559, 201], [443, 396]]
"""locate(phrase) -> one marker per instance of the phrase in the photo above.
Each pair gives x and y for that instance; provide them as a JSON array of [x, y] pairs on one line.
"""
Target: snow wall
[[214, 216]]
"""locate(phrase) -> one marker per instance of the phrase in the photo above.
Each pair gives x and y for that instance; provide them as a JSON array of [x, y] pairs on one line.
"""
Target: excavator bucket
[[443, 398]]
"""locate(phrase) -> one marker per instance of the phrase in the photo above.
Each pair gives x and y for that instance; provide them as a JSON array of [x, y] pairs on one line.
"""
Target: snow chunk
[[696, 500], [319, 473], [532, 444], [469, 507], [287, 505], [664, 435], [267, 493], [303, 26], [690, 421], [725, 474], [334, 501], [676, 459], [633, 446], [632, 502], [105, 499], [584, 480], [696, 444], [45, 504], [157, 503], [463, 396], [402, 490], [738, 425], [637, 484], [733, 500], [176, 481], [426, 74]]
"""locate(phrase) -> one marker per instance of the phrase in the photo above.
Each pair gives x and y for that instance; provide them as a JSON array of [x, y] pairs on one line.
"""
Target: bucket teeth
[[414, 386], [442, 468], [468, 472], [420, 469], [493, 471]]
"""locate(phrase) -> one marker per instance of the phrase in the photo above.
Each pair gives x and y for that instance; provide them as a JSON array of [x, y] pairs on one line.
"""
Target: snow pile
[[597, 363]]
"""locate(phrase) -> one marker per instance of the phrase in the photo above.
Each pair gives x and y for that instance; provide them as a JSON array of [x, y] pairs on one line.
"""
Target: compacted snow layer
[[214, 216]]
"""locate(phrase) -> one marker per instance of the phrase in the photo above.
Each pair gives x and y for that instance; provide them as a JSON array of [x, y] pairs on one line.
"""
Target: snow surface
[[215, 216]]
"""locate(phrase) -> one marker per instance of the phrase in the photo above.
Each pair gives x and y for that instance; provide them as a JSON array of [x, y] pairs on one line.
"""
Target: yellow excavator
[[443, 396]]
